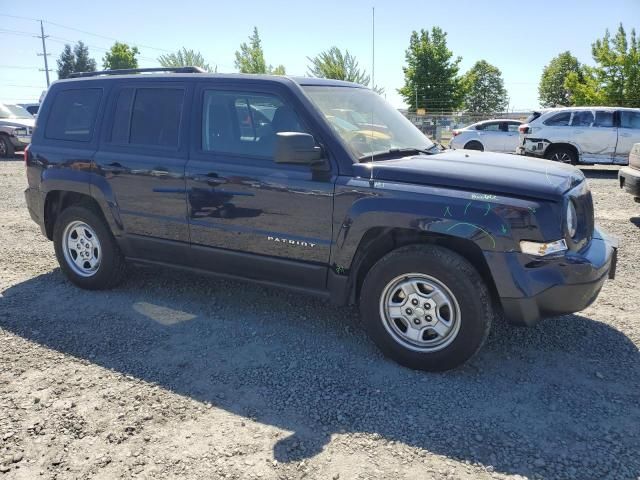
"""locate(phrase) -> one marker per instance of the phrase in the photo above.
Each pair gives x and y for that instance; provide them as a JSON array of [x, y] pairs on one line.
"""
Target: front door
[[142, 159], [628, 134], [249, 216]]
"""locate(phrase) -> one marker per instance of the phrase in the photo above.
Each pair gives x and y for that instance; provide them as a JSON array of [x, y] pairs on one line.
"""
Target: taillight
[[455, 132], [26, 154], [524, 128]]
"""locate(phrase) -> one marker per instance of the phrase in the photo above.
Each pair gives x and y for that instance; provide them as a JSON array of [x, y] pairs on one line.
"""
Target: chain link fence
[[438, 126]]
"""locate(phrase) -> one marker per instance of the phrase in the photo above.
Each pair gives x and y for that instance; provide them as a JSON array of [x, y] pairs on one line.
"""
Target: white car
[[581, 134], [499, 135]]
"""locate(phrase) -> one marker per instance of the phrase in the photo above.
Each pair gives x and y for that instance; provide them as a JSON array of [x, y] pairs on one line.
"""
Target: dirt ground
[[180, 376]]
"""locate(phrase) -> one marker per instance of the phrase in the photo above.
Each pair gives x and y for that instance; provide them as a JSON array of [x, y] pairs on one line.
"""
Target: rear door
[[511, 136], [628, 134], [249, 216], [141, 162], [595, 134], [491, 136]]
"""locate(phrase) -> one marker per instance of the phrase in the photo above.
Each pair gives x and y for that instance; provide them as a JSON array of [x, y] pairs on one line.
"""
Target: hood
[[17, 122], [486, 172]]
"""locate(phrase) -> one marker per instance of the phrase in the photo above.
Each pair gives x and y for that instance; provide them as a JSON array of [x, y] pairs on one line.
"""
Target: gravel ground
[[179, 376]]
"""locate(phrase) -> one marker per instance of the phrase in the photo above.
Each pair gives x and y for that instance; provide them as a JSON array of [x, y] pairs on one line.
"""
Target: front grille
[[581, 197]]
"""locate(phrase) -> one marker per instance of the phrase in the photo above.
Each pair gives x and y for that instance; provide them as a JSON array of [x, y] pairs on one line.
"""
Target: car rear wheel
[[474, 145], [426, 307], [86, 250], [6, 147], [562, 155]]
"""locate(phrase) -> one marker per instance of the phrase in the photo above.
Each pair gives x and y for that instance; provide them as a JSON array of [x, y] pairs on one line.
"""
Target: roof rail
[[128, 71]]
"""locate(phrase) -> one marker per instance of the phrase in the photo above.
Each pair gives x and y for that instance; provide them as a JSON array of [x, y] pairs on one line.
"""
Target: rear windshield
[[532, 117]]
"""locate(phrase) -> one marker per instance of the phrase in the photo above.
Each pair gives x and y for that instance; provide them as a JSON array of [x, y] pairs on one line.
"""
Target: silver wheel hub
[[420, 312], [81, 248], [561, 157]]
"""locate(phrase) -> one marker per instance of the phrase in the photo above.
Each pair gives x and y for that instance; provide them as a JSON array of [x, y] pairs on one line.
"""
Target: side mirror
[[296, 148]]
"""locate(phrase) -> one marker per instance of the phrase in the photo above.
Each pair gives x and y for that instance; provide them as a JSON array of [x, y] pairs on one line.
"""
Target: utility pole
[[44, 53]]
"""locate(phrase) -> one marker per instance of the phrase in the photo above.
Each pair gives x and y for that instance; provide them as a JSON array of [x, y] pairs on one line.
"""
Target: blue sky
[[518, 37]]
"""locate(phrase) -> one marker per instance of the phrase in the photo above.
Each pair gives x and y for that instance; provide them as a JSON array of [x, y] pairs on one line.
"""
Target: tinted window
[[582, 118], [603, 119], [73, 114], [155, 119], [245, 123], [559, 120], [489, 127], [629, 119], [122, 117]]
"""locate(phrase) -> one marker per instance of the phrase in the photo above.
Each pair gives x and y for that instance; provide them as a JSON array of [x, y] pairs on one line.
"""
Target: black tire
[[462, 281], [6, 147], [474, 145], [111, 269], [561, 154]]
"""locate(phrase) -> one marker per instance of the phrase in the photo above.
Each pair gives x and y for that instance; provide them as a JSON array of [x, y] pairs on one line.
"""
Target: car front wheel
[[426, 307]]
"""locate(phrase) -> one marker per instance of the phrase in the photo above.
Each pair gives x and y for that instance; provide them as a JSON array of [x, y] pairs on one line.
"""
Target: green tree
[[184, 58], [84, 63], [431, 73], [121, 56], [551, 90], [334, 64], [615, 79], [66, 62], [250, 57], [484, 90]]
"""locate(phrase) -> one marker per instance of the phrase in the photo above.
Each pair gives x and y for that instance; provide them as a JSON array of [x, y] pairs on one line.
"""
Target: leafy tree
[[66, 62], [121, 56], [615, 80], [484, 89], [184, 58], [334, 64], [250, 57], [76, 60], [84, 63], [431, 73], [551, 90]]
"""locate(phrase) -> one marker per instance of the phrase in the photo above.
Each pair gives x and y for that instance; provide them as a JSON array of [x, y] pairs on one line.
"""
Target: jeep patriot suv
[[258, 178]]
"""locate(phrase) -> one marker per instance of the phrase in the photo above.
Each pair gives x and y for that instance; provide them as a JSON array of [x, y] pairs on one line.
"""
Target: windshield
[[13, 111], [366, 122]]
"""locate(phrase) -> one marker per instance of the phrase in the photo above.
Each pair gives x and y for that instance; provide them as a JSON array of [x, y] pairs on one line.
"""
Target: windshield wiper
[[395, 151]]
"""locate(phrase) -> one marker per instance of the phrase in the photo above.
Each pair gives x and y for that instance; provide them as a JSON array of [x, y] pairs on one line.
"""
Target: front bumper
[[532, 288], [629, 179]]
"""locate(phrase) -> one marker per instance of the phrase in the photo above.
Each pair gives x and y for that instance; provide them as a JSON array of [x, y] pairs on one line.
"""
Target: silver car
[[603, 135], [499, 135], [16, 126]]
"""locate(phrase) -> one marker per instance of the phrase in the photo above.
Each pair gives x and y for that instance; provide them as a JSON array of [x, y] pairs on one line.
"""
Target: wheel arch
[[473, 140], [56, 201], [379, 241]]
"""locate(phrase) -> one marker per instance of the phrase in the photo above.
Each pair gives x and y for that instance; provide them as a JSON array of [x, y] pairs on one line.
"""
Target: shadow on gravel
[[604, 174], [556, 400]]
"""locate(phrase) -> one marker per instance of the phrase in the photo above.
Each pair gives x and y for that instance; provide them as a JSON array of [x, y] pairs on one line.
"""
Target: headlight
[[572, 219], [20, 131]]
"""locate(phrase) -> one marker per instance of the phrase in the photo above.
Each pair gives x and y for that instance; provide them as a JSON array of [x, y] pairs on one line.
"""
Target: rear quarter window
[[73, 115], [559, 120]]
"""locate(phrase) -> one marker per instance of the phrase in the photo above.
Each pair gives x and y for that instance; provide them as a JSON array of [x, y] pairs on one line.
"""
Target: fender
[[493, 222]]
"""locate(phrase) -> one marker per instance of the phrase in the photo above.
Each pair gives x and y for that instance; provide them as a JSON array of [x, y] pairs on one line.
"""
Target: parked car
[[32, 108], [16, 126], [500, 135], [629, 177], [430, 243], [602, 135]]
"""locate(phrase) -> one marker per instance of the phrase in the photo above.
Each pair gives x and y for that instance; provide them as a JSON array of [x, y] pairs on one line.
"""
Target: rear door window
[[155, 119], [603, 119], [73, 114], [582, 118], [559, 120], [489, 127], [629, 119], [513, 127]]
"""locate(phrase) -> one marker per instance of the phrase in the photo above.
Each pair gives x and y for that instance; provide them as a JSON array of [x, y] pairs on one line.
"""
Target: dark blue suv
[[314, 185]]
